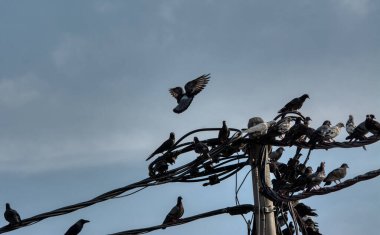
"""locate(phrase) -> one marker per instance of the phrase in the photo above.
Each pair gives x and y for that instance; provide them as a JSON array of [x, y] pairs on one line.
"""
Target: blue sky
[[84, 100]]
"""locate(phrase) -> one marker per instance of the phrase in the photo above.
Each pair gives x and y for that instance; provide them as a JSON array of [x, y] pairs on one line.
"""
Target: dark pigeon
[[319, 134], [298, 130], [359, 132], [304, 210], [337, 174], [276, 155], [175, 213], [294, 104], [169, 143], [192, 88], [350, 125], [200, 147], [316, 178], [303, 180], [372, 125], [224, 133], [11, 215], [77, 227], [288, 230]]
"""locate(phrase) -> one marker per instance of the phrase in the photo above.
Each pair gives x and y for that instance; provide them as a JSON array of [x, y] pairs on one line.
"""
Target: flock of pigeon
[[288, 178]]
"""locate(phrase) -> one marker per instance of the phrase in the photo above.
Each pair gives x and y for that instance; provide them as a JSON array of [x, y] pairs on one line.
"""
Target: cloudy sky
[[84, 100]]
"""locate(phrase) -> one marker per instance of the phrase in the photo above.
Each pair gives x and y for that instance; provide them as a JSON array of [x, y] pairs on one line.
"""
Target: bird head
[[224, 122], [344, 165], [179, 199], [172, 136], [350, 117], [196, 140], [327, 122], [280, 149], [83, 221], [372, 116], [305, 96], [340, 125], [7, 206]]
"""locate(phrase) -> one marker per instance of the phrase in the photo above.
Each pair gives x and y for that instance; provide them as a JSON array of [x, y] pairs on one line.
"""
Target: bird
[[372, 125], [260, 129], [333, 131], [11, 215], [192, 88], [317, 177], [298, 130], [224, 133], [294, 104], [169, 143], [303, 180], [359, 132], [319, 134], [336, 175], [175, 213], [304, 210], [350, 125], [200, 147], [275, 156], [77, 227], [284, 125], [288, 230]]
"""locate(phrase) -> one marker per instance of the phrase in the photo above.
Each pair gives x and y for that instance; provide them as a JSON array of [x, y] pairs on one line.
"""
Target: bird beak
[[86, 221]]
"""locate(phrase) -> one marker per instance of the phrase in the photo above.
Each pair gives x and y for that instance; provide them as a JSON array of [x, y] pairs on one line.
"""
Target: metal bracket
[[269, 209]]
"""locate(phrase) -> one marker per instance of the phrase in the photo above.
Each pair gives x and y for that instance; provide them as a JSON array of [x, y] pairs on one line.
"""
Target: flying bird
[[333, 131], [372, 125], [77, 227], [294, 104], [169, 143], [336, 175], [175, 213], [11, 215], [276, 155], [192, 88], [224, 133], [350, 125]]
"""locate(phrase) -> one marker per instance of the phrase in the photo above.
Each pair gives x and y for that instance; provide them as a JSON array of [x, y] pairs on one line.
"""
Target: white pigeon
[[333, 131], [259, 129], [350, 125]]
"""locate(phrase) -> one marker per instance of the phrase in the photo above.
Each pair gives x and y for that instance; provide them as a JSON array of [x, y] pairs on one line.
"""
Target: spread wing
[[176, 92], [195, 86]]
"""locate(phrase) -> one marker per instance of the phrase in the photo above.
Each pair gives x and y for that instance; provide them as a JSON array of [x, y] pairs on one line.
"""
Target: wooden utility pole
[[264, 214]]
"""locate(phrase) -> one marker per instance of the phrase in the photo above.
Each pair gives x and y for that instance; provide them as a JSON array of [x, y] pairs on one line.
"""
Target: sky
[[84, 100]]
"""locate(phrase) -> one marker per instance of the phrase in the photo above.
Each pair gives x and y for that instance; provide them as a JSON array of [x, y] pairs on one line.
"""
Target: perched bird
[[77, 227], [311, 226], [304, 210], [260, 129], [336, 175], [275, 156], [359, 132], [284, 125], [164, 146], [317, 177], [11, 215], [319, 134], [200, 147], [192, 88], [333, 131], [224, 133], [298, 130], [350, 125], [288, 230], [303, 180], [372, 125], [282, 219], [175, 213], [294, 104]]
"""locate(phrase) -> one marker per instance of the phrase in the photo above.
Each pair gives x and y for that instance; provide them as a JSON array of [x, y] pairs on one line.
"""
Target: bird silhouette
[[76, 228], [11, 215], [164, 146], [192, 88], [224, 133], [294, 104], [175, 213]]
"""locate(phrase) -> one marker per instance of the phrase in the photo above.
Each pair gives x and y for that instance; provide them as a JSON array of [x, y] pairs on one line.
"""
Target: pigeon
[[294, 104], [304, 210], [311, 226], [192, 88], [333, 131], [303, 180], [316, 178], [260, 129], [288, 230], [169, 143], [372, 125], [350, 125], [359, 132], [275, 156], [11, 215], [224, 133], [298, 130], [336, 175], [284, 125], [77, 227], [319, 134], [200, 147], [175, 213]]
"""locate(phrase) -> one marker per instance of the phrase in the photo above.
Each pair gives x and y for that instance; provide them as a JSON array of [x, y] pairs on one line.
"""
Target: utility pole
[[264, 214]]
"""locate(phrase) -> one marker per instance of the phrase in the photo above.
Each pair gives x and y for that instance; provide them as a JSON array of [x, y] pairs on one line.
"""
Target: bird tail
[[149, 157]]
